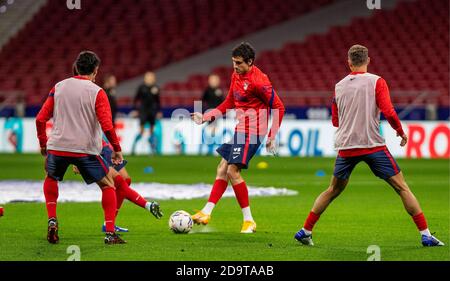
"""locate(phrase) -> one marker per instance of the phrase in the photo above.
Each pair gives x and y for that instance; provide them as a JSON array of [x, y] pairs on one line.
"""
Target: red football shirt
[[252, 96]]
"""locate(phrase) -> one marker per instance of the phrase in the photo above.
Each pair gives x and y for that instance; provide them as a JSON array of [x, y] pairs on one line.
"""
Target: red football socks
[[128, 193], [217, 191], [241, 192], [109, 207], [420, 221], [120, 194], [51, 196], [311, 221]]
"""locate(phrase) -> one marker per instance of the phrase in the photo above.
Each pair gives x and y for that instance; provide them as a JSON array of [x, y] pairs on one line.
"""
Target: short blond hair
[[358, 55]]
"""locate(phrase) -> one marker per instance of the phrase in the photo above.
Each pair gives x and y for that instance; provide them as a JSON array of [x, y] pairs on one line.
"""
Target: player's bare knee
[[335, 190], [398, 183], [112, 173], [105, 183], [336, 187], [107, 180], [233, 172], [123, 172], [403, 186]]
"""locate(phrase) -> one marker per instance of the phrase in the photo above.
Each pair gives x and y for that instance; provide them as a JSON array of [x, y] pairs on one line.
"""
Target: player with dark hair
[[252, 96], [358, 100], [81, 114], [122, 182]]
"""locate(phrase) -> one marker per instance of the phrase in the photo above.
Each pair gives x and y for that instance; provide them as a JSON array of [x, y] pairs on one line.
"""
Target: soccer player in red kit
[[252, 96], [81, 113], [358, 100]]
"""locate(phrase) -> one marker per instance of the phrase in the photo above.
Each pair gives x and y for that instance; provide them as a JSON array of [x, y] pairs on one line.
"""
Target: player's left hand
[[117, 157], [404, 139], [271, 147], [197, 117], [44, 151]]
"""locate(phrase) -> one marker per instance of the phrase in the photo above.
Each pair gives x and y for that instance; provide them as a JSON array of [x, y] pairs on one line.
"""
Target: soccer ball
[[180, 222]]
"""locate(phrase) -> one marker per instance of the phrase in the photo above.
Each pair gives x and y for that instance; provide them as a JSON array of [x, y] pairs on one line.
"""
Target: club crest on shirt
[[266, 88], [237, 96]]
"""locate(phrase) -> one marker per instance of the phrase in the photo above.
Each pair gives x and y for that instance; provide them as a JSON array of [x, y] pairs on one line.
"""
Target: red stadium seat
[[137, 42], [422, 26], [184, 30]]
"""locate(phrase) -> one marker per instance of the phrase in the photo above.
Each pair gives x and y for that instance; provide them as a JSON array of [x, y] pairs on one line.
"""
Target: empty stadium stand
[[408, 46], [130, 36]]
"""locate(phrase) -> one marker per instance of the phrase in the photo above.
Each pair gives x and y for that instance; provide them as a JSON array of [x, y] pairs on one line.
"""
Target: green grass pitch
[[368, 213]]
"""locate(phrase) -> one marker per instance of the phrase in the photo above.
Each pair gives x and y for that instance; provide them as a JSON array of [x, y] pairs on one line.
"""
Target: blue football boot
[[303, 238], [431, 241], [117, 229]]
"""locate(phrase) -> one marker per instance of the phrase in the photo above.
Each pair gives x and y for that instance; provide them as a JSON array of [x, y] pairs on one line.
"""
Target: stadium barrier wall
[[427, 139]]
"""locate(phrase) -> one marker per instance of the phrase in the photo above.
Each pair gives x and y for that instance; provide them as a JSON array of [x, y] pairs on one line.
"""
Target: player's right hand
[[404, 139], [197, 117], [117, 157], [44, 151], [271, 147]]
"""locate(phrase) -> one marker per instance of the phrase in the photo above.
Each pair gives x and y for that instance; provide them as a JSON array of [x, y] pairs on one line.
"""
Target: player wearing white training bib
[[359, 98], [80, 111]]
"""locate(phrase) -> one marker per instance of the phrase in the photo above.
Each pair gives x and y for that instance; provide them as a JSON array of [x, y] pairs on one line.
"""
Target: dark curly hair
[[86, 62], [246, 51]]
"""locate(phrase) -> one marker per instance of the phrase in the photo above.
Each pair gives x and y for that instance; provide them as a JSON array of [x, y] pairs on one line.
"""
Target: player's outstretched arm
[[221, 109]]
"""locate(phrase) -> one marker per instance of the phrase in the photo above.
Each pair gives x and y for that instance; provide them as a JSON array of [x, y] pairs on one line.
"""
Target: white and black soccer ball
[[180, 222]]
